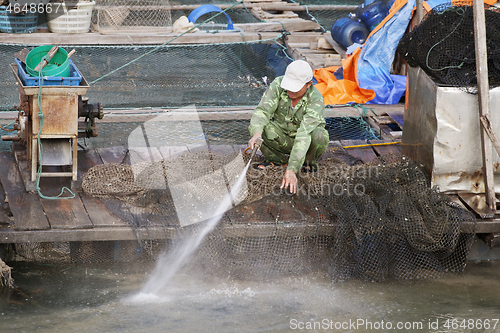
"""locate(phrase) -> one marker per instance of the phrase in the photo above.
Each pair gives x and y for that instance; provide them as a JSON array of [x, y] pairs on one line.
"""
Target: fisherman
[[290, 119]]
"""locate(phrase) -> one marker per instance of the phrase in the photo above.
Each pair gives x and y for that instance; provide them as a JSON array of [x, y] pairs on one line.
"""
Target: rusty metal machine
[[50, 141]]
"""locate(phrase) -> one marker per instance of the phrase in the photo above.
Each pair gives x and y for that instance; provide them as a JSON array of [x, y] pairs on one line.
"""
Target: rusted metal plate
[[60, 114]]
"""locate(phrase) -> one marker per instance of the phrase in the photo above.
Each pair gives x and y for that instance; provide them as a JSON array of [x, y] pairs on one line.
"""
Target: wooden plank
[[25, 174], [197, 147], [383, 131], [240, 148], [484, 98], [165, 152], [221, 149], [477, 203], [99, 214], [397, 116], [467, 227], [383, 120], [366, 154], [112, 155], [488, 226], [153, 36], [86, 160], [392, 147], [26, 209], [486, 122], [176, 151], [291, 25], [95, 234], [144, 154], [63, 213], [339, 49]]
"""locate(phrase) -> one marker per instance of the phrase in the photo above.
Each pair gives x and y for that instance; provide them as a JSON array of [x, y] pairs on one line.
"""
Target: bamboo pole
[[484, 100]]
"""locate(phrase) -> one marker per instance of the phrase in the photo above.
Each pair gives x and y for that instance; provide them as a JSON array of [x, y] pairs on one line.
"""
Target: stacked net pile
[[112, 15], [372, 221], [443, 46]]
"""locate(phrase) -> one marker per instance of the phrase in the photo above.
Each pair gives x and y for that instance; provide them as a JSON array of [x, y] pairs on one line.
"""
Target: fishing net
[[6, 275], [111, 15], [371, 221], [443, 46]]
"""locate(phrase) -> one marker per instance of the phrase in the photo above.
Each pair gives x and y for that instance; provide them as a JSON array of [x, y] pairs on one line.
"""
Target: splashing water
[[170, 263]]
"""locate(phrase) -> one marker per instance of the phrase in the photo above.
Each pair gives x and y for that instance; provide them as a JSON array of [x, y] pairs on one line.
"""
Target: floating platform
[[86, 218]]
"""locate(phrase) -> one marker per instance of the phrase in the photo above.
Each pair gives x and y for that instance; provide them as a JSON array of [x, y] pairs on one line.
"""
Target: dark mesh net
[[372, 221], [443, 46]]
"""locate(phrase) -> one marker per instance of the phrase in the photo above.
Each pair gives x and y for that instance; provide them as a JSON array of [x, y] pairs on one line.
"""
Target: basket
[[17, 23], [70, 17], [74, 78]]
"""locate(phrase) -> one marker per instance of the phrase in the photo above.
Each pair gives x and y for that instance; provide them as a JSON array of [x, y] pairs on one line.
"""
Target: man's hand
[[290, 179], [254, 138]]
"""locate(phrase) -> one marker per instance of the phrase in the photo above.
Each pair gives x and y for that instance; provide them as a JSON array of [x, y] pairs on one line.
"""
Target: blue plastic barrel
[[346, 32], [373, 14], [195, 14]]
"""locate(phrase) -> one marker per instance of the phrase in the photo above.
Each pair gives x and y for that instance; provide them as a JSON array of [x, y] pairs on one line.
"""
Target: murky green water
[[60, 298]]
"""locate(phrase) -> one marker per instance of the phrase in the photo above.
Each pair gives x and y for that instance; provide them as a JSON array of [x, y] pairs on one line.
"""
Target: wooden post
[[50, 54], [484, 100]]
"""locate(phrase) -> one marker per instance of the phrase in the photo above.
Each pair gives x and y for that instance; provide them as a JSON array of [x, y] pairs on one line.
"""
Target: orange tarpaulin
[[342, 91], [347, 90]]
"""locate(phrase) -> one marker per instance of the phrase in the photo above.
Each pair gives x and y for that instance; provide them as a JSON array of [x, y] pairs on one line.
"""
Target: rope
[[246, 8], [39, 141], [364, 109], [167, 42], [310, 15], [8, 129], [460, 12]]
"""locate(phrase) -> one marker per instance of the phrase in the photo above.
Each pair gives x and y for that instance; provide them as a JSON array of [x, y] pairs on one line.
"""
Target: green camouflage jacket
[[297, 122]]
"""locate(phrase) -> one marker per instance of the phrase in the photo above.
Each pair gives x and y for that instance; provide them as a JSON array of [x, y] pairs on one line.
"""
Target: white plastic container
[[70, 17]]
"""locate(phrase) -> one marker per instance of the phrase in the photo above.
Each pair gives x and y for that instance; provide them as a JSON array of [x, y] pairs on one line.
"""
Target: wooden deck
[[86, 218]]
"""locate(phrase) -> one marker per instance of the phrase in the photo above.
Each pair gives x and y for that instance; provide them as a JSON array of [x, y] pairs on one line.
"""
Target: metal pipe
[[256, 146]]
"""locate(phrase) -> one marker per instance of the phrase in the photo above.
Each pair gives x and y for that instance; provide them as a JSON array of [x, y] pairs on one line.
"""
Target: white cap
[[297, 74]]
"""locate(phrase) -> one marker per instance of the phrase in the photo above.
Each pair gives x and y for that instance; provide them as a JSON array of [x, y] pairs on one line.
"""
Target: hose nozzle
[[256, 146]]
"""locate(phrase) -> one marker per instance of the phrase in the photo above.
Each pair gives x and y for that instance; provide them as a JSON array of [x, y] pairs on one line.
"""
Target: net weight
[[33, 8]]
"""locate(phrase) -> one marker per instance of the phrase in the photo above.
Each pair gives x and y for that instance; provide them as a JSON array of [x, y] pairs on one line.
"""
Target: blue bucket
[[195, 14]]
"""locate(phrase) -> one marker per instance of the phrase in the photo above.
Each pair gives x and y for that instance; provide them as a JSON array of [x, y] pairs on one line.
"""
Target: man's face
[[300, 93]]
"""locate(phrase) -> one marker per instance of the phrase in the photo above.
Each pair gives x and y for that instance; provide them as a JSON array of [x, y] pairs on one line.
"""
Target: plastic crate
[[74, 78], [17, 23]]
